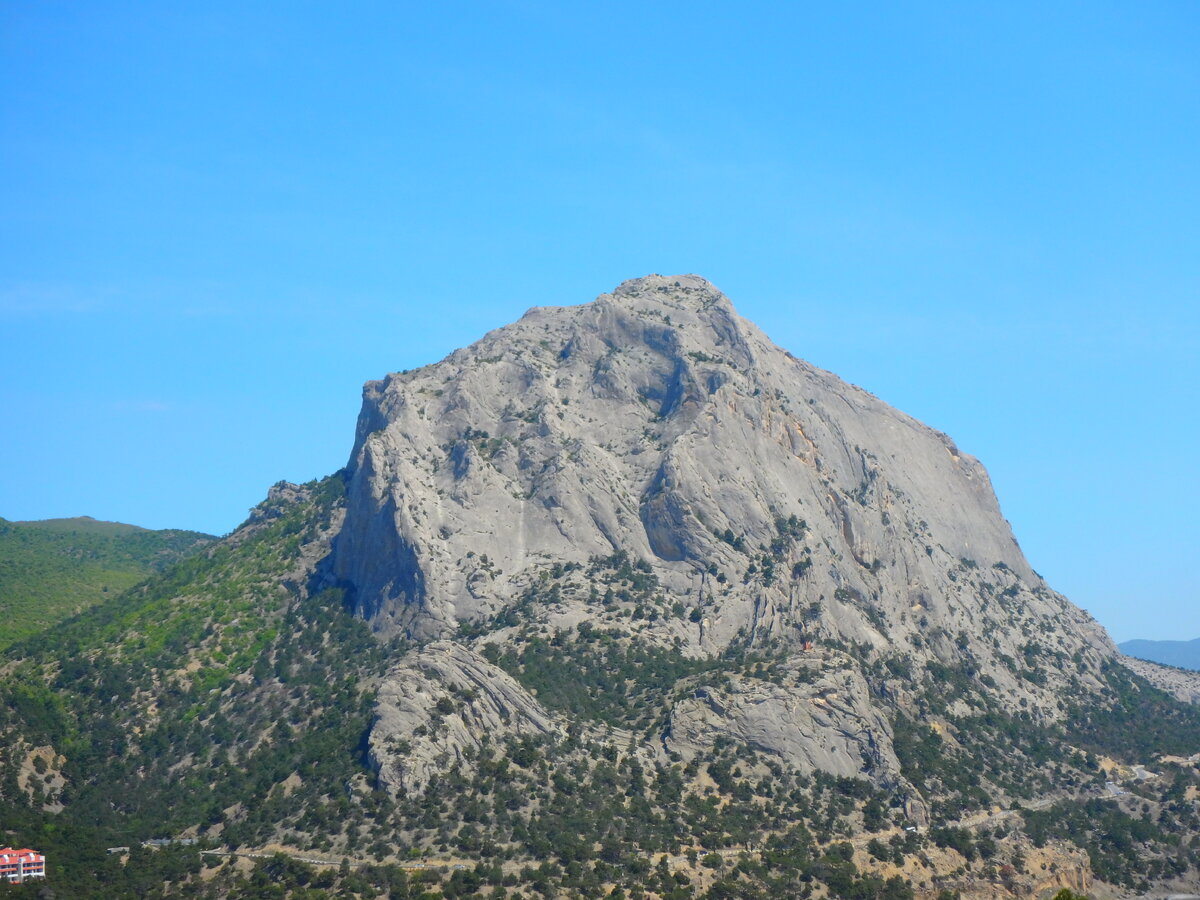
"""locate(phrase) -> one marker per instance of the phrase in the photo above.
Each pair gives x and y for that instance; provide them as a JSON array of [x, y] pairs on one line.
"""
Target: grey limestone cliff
[[776, 503], [441, 702]]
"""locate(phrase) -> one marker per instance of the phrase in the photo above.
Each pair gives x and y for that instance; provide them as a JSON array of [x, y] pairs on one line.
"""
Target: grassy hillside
[[56, 568]]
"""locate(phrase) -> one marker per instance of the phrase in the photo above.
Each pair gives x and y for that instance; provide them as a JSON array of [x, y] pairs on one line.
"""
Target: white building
[[17, 866]]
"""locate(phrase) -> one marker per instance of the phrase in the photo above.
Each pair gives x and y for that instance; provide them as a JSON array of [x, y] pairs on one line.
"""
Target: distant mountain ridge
[[55, 568], [1182, 654], [84, 524]]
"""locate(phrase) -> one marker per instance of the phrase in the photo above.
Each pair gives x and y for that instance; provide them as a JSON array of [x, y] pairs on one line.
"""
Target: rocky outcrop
[[439, 703], [1182, 684], [823, 720], [1047, 870]]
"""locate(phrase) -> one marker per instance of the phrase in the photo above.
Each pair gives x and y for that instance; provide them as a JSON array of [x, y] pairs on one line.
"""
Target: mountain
[[621, 600], [776, 504], [1181, 654], [55, 568]]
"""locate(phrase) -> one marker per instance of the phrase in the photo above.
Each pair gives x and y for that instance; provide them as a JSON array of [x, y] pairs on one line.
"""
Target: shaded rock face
[[781, 504]]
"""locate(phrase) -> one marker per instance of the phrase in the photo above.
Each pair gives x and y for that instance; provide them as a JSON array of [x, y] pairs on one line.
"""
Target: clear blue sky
[[218, 219]]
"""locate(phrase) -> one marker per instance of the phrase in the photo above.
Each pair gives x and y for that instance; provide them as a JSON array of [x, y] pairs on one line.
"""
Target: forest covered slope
[[54, 568]]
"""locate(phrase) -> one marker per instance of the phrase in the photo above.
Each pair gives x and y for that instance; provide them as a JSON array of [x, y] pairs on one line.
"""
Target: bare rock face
[[654, 419], [440, 702], [775, 503], [827, 723], [1182, 684]]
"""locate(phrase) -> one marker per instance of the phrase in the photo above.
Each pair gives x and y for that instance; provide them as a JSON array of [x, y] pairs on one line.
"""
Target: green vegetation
[[1147, 833], [605, 676], [223, 699], [59, 567], [1141, 721], [1125, 848], [584, 813], [190, 701], [213, 699]]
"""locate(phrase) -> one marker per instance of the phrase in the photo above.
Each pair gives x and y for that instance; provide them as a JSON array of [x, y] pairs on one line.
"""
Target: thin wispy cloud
[[142, 406], [34, 299], [187, 301]]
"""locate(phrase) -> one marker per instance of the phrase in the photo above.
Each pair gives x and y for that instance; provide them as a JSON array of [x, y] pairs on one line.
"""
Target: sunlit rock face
[[777, 504]]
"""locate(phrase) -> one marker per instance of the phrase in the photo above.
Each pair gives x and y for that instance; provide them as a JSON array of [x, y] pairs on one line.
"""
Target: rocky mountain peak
[[657, 422], [682, 292], [746, 499]]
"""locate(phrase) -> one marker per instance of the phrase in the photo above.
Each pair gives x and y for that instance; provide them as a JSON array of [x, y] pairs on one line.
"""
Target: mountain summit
[[773, 505], [654, 420], [657, 421]]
